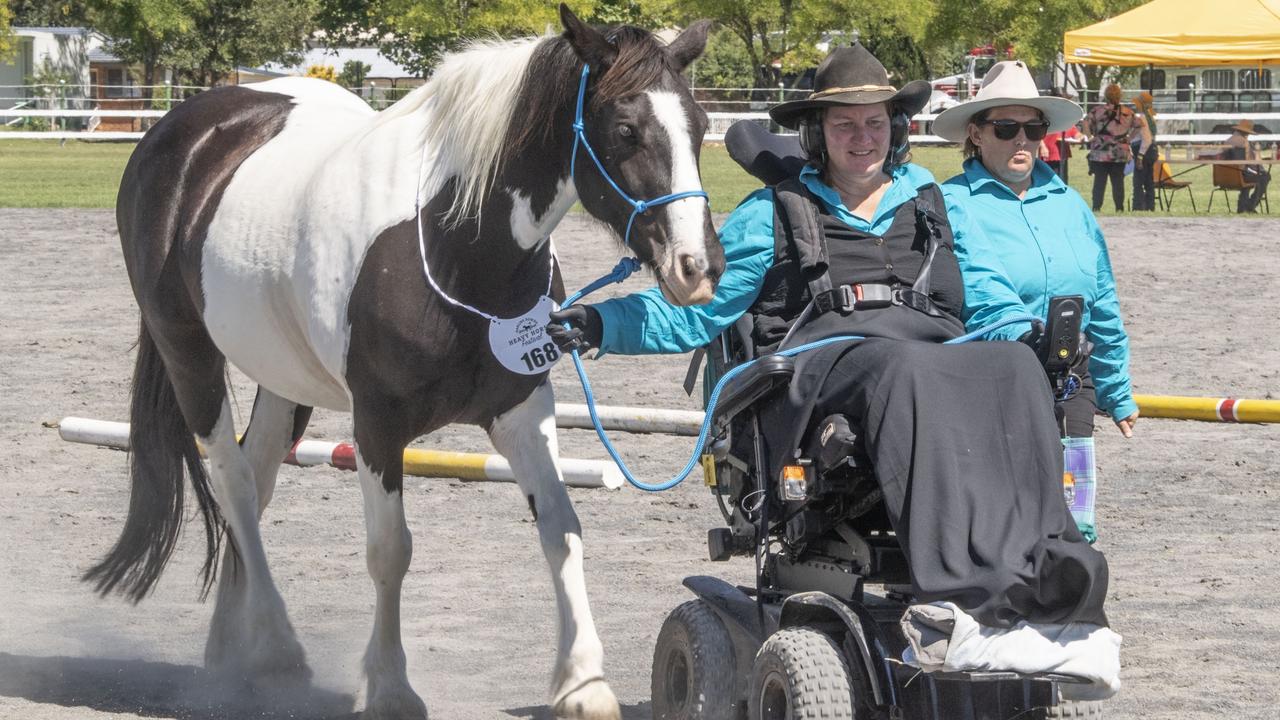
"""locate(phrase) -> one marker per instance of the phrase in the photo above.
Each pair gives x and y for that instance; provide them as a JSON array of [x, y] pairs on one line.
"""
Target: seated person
[[1239, 148], [962, 438]]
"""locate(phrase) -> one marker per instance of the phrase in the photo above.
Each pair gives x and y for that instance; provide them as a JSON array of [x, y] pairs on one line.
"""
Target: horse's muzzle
[[688, 280]]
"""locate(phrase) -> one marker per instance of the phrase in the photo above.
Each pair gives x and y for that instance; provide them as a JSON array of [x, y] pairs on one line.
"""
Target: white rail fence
[[719, 124]]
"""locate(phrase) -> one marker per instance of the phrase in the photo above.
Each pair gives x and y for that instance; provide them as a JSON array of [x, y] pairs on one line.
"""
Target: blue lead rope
[[624, 269]]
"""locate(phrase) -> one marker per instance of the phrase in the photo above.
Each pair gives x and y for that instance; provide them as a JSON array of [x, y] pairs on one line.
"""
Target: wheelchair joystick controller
[[1063, 347]]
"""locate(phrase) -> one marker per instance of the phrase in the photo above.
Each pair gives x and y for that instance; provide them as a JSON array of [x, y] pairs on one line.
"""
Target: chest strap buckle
[[858, 296], [868, 296]]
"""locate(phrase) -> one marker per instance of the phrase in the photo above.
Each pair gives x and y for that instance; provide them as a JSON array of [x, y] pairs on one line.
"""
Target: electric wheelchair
[[818, 634]]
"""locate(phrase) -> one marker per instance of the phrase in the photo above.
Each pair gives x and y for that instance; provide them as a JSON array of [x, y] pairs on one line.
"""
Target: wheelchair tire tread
[[1070, 710]]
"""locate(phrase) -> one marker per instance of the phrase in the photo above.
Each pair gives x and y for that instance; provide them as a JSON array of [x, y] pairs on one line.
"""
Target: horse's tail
[[160, 446]]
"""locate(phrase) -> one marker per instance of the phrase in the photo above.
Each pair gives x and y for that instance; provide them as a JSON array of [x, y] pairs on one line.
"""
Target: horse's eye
[[626, 131]]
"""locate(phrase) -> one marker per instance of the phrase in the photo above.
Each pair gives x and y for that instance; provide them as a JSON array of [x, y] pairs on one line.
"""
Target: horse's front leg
[[526, 436], [389, 547]]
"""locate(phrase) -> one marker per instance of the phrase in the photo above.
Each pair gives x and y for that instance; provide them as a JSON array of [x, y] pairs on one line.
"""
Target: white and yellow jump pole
[[687, 422], [1222, 409], [417, 461], [599, 473]]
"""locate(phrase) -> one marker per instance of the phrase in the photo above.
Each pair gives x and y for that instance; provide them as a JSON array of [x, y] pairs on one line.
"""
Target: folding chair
[[1167, 187], [1231, 177]]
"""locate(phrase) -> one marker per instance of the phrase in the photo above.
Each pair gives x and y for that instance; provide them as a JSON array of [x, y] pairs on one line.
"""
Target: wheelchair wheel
[[800, 673], [1071, 710], [694, 671]]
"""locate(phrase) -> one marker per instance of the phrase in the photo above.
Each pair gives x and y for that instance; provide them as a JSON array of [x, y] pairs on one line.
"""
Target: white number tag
[[521, 344]]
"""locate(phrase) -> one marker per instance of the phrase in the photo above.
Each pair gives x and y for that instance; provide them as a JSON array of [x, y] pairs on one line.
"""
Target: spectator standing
[[1144, 165], [1239, 148], [1054, 152], [1109, 127]]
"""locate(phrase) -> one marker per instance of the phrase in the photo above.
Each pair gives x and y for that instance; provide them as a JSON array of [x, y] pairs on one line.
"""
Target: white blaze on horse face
[[686, 218], [530, 230]]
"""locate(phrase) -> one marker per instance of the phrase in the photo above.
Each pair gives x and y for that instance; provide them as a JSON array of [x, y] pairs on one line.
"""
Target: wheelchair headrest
[[770, 158]]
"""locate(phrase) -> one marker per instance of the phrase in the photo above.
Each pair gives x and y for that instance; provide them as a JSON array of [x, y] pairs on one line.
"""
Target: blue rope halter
[[580, 137]]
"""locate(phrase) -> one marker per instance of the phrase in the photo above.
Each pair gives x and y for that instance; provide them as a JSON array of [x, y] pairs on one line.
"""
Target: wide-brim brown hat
[[1244, 126], [851, 76], [1006, 83]]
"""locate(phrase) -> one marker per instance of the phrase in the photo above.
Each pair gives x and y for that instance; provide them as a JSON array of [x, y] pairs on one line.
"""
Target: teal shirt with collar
[[645, 323], [1016, 253]]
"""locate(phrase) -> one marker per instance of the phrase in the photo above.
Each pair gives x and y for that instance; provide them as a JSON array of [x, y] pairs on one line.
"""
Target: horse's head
[[646, 130]]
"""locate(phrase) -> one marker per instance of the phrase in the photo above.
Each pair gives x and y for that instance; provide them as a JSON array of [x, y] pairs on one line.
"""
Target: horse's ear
[[590, 46], [689, 44]]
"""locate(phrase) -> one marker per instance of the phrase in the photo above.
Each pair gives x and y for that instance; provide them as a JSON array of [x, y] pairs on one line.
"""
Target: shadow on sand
[[638, 711], [159, 690]]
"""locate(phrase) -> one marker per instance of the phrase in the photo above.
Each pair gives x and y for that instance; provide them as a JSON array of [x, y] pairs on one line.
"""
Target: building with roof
[[58, 55], [384, 82]]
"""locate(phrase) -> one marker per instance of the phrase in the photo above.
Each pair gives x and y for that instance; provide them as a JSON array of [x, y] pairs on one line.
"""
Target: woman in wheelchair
[[962, 438]]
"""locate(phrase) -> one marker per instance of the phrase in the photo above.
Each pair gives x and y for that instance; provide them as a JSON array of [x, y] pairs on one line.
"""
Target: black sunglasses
[[1008, 129]]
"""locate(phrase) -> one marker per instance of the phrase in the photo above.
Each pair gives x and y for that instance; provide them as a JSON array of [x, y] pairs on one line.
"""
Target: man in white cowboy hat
[[855, 241], [1018, 225], [1239, 148]]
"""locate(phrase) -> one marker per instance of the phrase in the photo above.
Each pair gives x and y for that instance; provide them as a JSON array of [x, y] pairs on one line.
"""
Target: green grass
[[727, 183], [46, 173]]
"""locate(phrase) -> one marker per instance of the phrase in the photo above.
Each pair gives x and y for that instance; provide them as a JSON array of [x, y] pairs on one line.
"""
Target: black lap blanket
[[966, 449]]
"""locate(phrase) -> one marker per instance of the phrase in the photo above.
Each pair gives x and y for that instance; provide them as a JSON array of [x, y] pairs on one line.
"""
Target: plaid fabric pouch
[[1080, 483]]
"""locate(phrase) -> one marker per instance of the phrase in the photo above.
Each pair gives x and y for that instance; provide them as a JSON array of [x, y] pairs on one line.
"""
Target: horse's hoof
[[397, 702], [593, 700], [263, 665], [287, 669]]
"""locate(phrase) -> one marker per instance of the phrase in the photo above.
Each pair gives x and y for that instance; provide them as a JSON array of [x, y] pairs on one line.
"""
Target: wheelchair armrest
[[761, 379]]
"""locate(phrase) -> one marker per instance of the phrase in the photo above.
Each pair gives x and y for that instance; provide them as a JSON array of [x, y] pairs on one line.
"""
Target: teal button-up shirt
[[645, 323], [1017, 253]]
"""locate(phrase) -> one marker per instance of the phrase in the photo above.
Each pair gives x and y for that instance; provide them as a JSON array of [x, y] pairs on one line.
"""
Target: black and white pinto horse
[[277, 226]]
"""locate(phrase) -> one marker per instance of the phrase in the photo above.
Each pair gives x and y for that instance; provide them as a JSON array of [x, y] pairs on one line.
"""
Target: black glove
[[584, 331]]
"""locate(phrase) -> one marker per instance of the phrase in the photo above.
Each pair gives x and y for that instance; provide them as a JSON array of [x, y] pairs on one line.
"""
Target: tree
[[641, 13], [147, 32], [6, 35], [724, 63], [1034, 30], [204, 40], [785, 33], [416, 33], [353, 74], [768, 29], [227, 34], [45, 13]]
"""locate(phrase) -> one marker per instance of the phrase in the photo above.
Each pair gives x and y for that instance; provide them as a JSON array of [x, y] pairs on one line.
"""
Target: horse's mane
[[640, 63], [475, 95]]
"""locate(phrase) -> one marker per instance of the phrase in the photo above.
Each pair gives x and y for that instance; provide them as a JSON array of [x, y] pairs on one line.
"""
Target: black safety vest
[[814, 251]]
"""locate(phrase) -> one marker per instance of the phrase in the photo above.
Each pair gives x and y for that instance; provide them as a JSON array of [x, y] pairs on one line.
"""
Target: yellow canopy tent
[[1182, 32]]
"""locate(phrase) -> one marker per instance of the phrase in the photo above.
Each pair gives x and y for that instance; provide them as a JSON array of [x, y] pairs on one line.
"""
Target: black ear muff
[[899, 145], [812, 142]]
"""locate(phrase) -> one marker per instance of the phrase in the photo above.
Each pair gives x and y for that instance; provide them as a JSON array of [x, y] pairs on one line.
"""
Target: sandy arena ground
[[1189, 512]]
